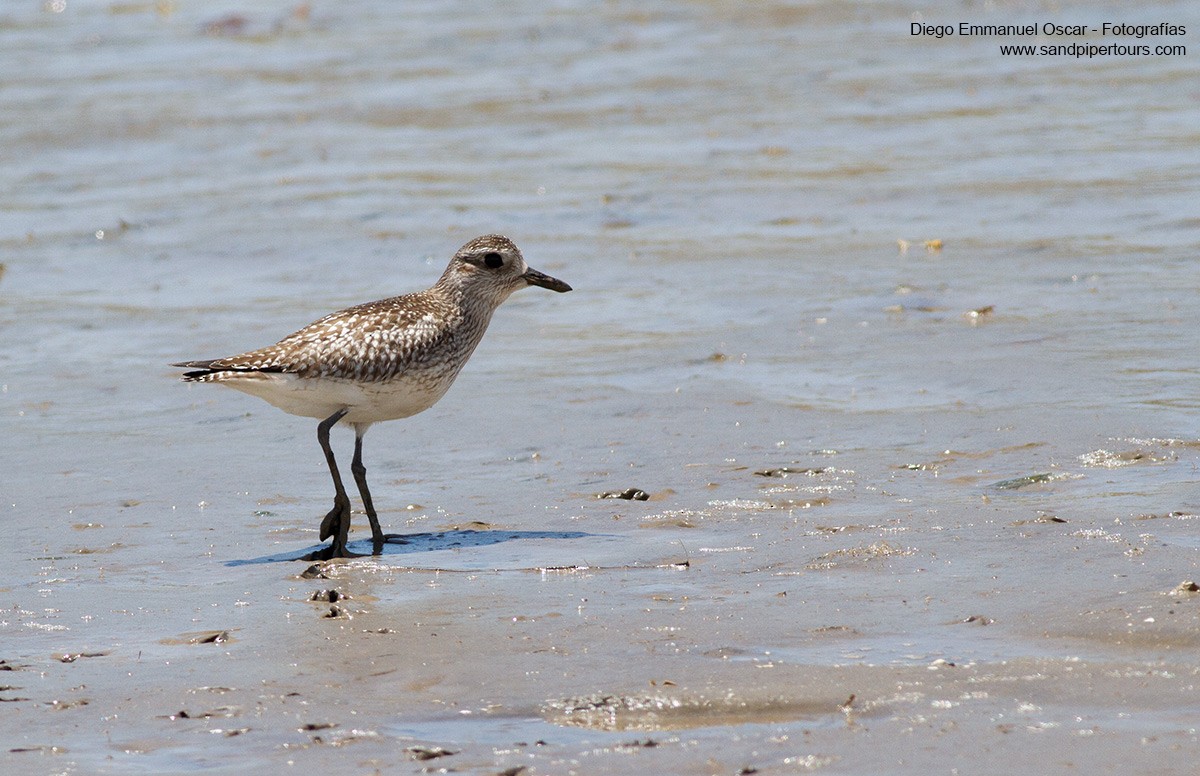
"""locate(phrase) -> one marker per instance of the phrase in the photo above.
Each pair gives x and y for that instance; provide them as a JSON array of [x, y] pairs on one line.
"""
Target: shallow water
[[992, 445]]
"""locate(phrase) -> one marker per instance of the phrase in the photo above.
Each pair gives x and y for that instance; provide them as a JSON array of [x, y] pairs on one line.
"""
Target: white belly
[[368, 402]]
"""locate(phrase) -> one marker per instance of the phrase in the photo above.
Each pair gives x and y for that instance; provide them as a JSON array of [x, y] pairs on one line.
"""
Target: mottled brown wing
[[372, 341]]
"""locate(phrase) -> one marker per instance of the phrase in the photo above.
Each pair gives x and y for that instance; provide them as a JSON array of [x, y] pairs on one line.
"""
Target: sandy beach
[[895, 334]]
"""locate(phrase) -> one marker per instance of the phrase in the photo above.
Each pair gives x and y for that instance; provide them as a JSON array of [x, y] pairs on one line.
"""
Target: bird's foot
[[379, 538], [331, 552], [331, 522]]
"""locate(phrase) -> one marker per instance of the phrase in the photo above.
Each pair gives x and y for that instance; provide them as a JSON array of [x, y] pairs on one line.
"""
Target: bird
[[378, 361]]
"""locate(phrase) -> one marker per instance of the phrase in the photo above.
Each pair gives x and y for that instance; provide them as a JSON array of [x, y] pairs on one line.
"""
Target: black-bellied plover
[[379, 361]]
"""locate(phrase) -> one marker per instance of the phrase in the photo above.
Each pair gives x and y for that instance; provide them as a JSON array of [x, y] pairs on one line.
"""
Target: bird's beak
[[535, 278]]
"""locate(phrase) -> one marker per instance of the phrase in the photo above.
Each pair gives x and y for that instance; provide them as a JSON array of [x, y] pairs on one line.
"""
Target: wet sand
[[897, 336]]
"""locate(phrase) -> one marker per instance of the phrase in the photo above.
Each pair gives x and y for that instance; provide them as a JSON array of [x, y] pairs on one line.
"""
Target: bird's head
[[492, 267]]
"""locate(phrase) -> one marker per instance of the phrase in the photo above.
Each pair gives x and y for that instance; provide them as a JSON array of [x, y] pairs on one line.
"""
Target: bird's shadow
[[402, 544]]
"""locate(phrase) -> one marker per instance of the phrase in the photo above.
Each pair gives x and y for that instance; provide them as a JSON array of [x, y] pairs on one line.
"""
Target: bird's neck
[[476, 303], [475, 308]]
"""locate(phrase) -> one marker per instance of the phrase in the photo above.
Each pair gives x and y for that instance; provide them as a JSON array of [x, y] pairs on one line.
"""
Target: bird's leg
[[337, 522], [360, 477]]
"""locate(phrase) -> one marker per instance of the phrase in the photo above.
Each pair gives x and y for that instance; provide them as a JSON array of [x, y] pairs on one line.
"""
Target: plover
[[379, 361]]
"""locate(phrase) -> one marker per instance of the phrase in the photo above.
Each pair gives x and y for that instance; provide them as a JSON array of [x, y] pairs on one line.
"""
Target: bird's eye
[[493, 260]]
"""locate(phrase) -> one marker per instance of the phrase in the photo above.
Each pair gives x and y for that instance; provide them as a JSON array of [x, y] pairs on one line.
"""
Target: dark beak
[[535, 278]]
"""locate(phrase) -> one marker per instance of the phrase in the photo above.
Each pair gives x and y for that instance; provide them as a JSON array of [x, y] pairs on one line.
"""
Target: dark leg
[[337, 522], [360, 477]]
